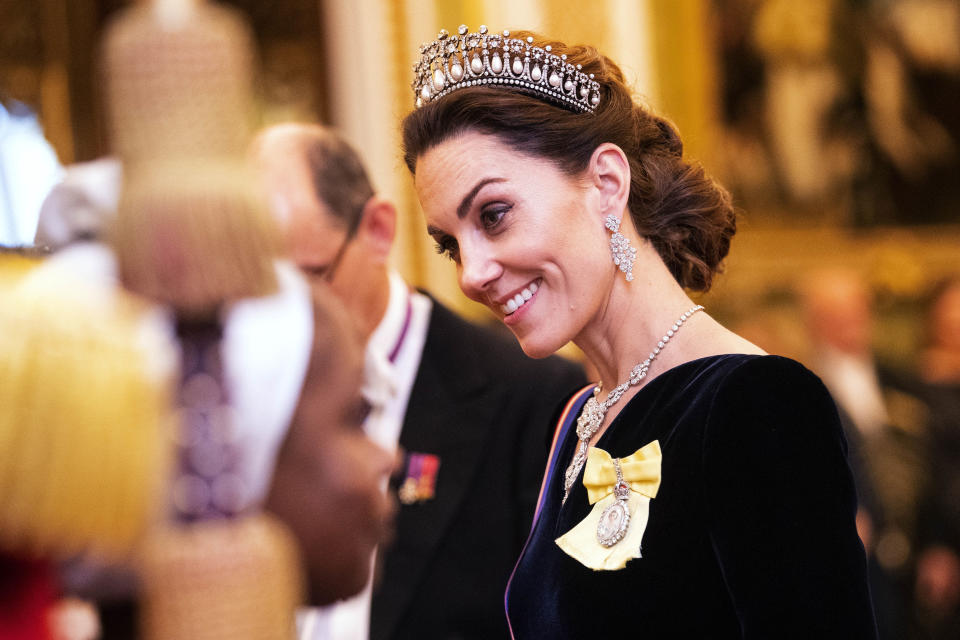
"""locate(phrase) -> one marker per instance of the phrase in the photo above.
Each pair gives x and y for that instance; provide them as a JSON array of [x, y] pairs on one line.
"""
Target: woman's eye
[[490, 217], [447, 246]]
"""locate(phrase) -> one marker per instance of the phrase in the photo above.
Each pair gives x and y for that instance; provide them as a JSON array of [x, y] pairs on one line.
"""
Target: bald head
[[320, 160], [334, 226], [838, 306]]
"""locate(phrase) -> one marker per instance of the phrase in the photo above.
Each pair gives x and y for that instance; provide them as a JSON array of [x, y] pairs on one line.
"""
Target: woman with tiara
[[701, 489]]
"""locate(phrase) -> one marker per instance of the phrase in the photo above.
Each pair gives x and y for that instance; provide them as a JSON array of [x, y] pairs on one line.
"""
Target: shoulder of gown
[[780, 503]]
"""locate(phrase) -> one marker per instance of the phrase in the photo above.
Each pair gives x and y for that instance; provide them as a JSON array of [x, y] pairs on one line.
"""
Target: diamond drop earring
[[623, 254]]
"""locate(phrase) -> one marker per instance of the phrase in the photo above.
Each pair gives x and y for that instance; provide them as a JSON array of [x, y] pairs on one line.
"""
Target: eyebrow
[[467, 201]]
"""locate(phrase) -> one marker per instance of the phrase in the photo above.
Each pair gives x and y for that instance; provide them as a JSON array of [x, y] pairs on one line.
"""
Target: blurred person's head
[[837, 308], [941, 357], [944, 315], [335, 227], [328, 482]]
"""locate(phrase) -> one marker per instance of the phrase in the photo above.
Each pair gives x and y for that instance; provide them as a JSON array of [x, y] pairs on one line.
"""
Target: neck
[[634, 319]]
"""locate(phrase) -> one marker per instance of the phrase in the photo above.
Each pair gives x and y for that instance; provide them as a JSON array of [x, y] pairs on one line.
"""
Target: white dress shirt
[[393, 355], [854, 385]]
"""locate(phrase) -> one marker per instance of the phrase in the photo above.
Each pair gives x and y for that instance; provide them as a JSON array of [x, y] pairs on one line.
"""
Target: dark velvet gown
[[752, 532]]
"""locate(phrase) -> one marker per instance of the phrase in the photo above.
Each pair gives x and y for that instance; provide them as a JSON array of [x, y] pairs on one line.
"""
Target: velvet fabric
[[751, 535]]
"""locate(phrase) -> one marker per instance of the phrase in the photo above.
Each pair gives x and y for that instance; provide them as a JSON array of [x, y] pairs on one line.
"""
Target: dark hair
[[687, 216], [340, 180]]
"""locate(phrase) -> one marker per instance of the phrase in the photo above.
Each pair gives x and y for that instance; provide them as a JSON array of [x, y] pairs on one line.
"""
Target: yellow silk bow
[[641, 470]]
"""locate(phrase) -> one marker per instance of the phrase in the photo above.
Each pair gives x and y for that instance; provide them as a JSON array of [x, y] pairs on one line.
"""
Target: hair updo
[[673, 203]]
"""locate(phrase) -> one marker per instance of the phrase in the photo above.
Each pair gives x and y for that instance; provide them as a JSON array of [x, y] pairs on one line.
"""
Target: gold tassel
[[180, 102], [81, 441], [178, 87], [221, 580], [189, 235], [14, 264], [192, 236]]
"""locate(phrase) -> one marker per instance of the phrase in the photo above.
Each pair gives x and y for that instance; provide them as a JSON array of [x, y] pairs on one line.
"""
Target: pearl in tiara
[[464, 60]]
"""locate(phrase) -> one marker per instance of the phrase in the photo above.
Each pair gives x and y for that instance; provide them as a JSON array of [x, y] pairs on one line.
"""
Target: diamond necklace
[[594, 411]]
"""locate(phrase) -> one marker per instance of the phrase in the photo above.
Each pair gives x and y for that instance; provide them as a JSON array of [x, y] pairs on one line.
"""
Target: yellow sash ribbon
[[641, 471]]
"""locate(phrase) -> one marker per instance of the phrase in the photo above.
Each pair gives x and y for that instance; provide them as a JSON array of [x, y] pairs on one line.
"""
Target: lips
[[518, 300]]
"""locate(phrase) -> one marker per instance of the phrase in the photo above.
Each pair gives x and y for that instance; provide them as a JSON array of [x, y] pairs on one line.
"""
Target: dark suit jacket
[[485, 409]]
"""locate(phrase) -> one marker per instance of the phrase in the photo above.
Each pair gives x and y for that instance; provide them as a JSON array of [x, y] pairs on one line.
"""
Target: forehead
[[287, 176], [451, 161], [448, 171], [312, 231]]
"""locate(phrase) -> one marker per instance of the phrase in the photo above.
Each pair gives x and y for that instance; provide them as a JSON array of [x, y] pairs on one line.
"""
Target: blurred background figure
[[190, 238], [940, 359], [468, 411], [81, 206], [885, 424], [28, 169], [327, 484], [938, 564]]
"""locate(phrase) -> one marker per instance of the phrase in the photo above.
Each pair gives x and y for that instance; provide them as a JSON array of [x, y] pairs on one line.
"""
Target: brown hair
[[339, 177], [687, 216]]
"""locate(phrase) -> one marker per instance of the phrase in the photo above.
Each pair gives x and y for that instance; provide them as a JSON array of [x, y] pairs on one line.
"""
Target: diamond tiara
[[464, 60]]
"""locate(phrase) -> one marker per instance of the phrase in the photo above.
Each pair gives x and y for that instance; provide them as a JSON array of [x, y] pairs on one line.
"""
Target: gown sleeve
[[780, 506]]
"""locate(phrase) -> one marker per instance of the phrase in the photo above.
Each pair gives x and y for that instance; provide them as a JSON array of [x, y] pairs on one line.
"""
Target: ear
[[378, 226], [609, 175]]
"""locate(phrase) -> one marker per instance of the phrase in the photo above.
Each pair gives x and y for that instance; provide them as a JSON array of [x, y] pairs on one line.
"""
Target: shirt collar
[[389, 334]]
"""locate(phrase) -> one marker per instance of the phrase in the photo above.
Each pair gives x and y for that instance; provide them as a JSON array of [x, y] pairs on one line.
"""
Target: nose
[[478, 270]]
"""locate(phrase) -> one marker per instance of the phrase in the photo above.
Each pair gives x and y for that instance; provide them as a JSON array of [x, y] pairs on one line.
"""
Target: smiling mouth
[[520, 299]]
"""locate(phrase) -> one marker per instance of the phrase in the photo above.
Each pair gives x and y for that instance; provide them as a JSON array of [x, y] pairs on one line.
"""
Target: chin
[[539, 348], [329, 584]]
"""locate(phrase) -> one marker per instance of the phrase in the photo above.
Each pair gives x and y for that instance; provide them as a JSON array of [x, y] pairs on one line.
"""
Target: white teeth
[[517, 301]]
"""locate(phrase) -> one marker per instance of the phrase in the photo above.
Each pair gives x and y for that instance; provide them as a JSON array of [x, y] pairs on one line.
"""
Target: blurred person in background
[[884, 421], [327, 480], [468, 410], [938, 563], [265, 350], [189, 239]]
